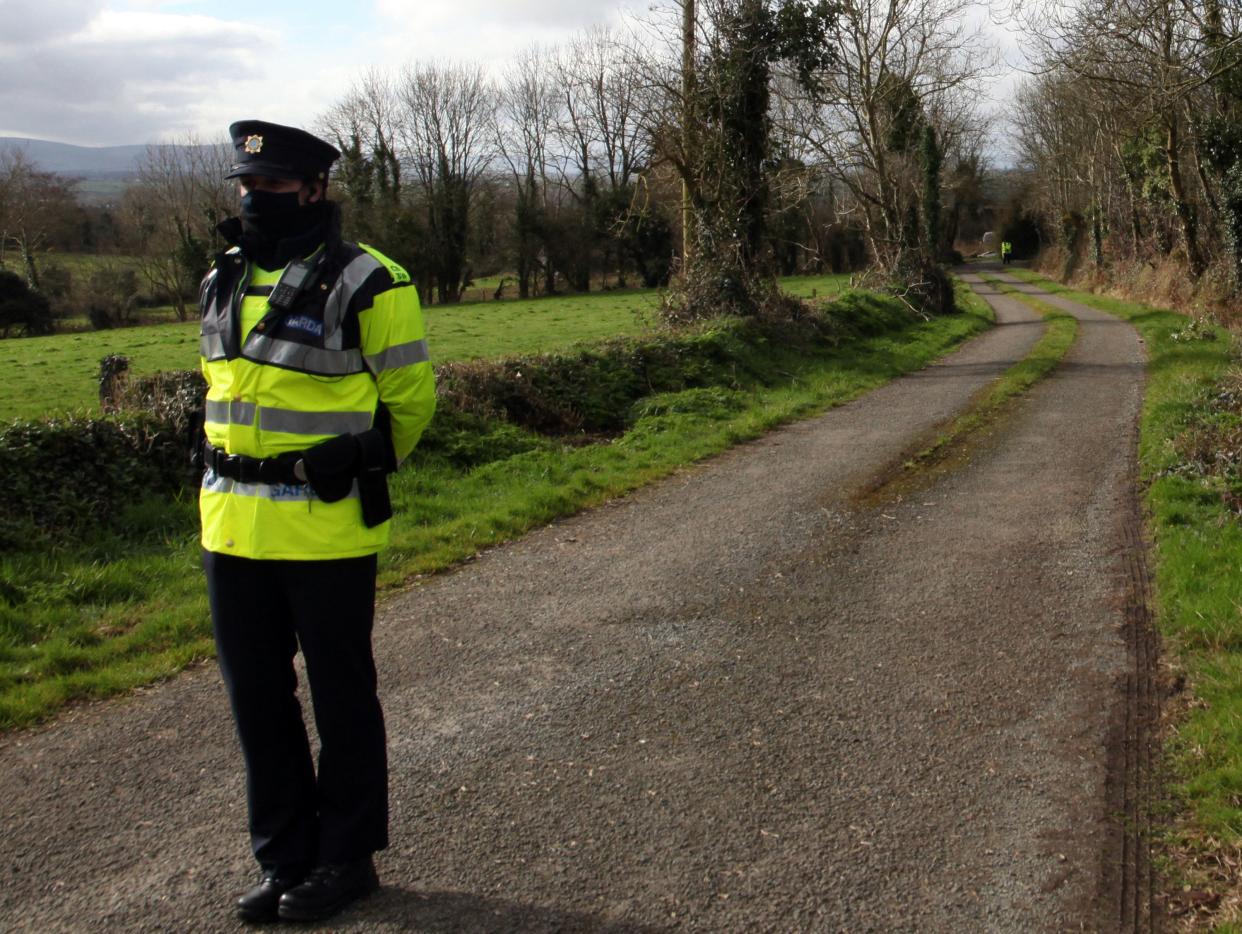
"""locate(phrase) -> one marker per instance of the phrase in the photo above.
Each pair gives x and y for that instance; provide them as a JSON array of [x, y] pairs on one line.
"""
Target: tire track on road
[[1127, 871]]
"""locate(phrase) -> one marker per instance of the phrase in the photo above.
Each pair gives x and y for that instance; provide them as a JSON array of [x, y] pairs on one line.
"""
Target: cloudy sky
[[113, 72]]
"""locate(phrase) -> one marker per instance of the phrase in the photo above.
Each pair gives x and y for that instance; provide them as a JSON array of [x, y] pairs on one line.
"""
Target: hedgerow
[[66, 474]]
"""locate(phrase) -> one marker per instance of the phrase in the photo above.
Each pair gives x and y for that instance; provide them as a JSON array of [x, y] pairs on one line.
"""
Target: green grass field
[[59, 373]]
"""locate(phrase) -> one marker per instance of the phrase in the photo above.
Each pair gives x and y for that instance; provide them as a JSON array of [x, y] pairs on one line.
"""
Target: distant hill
[[104, 172], [88, 162]]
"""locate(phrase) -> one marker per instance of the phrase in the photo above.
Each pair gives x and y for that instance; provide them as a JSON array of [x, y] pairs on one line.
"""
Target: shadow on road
[[441, 912]]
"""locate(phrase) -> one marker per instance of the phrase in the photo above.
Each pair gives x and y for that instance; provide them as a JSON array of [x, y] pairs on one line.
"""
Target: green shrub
[[710, 402], [69, 473], [464, 440], [591, 390], [22, 307]]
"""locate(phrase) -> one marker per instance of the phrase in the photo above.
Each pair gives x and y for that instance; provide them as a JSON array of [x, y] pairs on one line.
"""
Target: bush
[[708, 402], [56, 282], [67, 474], [174, 397], [112, 296], [924, 286], [22, 307], [464, 440], [592, 390], [99, 317]]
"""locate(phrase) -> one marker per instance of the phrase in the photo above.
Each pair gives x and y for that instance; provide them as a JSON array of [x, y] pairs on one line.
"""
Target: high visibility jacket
[[284, 381]]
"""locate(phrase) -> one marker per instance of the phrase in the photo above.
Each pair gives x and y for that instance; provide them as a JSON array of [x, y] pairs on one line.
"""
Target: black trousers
[[262, 611]]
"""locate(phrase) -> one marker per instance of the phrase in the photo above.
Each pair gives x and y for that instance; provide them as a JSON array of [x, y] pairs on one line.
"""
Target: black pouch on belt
[[374, 466], [331, 467]]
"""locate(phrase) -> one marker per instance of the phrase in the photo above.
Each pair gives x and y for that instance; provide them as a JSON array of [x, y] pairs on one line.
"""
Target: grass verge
[[1197, 550], [1039, 362], [79, 622], [953, 442]]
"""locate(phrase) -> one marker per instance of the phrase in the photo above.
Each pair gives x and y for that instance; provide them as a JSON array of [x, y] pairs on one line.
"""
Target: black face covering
[[275, 224], [276, 215]]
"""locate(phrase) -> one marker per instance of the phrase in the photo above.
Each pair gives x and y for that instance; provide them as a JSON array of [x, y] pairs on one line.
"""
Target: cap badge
[[253, 144]]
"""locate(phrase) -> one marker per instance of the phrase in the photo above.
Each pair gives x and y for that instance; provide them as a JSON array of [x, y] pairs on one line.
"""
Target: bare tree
[[181, 196], [897, 65], [366, 126], [446, 128], [601, 87], [602, 145], [1150, 56], [528, 113], [1073, 135], [33, 205]]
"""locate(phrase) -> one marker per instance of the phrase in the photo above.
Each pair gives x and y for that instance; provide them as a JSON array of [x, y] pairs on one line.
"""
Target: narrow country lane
[[735, 701]]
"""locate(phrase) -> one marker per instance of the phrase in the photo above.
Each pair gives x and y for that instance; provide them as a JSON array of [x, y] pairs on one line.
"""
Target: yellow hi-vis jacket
[[284, 381]]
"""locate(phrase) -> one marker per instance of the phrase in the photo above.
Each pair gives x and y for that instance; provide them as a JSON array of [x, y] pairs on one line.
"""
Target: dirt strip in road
[[730, 702]]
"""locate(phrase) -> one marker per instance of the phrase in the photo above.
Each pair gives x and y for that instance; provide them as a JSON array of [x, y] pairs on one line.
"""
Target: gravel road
[[734, 701]]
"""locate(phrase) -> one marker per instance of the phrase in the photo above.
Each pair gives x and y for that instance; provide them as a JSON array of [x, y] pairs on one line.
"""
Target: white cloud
[[465, 16], [37, 21], [99, 72], [113, 27], [120, 77], [490, 32]]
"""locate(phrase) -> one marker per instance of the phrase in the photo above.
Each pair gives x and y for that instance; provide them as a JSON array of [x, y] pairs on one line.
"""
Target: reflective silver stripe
[[348, 282], [206, 283], [211, 346], [277, 492], [295, 356], [291, 421], [400, 355], [214, 307], [313, 423], [230, 413]]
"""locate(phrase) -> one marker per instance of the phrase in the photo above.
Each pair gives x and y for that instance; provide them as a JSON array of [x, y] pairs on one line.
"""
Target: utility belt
[[245, 469], [329, 468]]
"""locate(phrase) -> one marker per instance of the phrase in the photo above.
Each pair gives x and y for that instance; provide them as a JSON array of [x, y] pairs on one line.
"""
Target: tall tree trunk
[[1136, 227], [687, 139], [1185, 212], [32, 271]]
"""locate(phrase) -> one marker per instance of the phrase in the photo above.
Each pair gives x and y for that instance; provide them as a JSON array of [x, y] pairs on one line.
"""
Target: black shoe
[[261, 903], [328, 889]]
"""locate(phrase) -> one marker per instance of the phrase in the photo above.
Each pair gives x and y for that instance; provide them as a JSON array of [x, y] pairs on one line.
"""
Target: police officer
[[318, 385]]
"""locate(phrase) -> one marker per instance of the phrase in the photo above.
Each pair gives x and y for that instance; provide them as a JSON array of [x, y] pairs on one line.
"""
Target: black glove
[[331, 467]]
